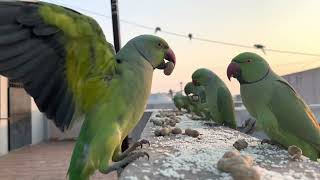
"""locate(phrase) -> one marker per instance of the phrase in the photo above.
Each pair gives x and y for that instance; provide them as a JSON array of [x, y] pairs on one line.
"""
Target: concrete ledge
[[184, 157]]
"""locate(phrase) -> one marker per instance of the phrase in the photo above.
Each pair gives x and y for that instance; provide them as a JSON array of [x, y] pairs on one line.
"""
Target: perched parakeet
[[278, 108], [181, 102], [218, 97], [197, 99], [67, 66]]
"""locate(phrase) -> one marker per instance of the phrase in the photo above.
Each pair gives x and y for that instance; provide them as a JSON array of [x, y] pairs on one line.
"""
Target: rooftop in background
[[160, 101], [159, 98]]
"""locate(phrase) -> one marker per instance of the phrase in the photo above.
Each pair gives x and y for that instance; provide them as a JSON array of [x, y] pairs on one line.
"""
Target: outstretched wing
[[293, 114], [61, 57]]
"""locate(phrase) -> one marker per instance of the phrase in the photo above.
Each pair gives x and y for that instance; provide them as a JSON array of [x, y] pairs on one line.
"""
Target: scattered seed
[[294, 152], [165, 131], [192, 133], [176, 131], [157, 132], [240, 144]]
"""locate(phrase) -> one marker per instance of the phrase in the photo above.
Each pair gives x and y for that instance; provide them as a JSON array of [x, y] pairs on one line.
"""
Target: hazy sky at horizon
[[277, 24]]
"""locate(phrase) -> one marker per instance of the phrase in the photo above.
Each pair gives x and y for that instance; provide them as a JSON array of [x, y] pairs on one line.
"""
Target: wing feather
[[55, 52]]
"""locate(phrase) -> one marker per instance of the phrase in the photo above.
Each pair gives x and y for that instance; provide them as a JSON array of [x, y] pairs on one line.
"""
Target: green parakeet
[[72, 72], [181, 102], [197, 99], [278, 108], [218, 97]]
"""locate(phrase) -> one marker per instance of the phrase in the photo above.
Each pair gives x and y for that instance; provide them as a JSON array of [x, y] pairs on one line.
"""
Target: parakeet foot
[[132, 148], [120, 165], [142, 142], [137, 144]]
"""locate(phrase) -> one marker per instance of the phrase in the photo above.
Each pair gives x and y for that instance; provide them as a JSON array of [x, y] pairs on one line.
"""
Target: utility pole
[[117, 45], [115, 25]]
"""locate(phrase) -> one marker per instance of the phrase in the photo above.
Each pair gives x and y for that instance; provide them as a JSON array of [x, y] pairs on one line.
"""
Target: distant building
[[307, 84], [160, 101]]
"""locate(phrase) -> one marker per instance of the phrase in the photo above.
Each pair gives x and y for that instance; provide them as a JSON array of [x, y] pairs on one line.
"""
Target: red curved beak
[[233, 70], [170, 56]]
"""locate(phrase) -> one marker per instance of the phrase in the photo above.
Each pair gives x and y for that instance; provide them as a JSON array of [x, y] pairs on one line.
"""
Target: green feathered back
[[58, 54], [89, 55], [65, 64]]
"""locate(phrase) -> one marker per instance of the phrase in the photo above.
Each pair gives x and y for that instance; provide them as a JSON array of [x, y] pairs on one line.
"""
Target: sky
[[278, 24]]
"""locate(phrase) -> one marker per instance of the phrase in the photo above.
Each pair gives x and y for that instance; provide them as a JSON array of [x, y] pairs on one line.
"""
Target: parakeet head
[[191, 91], [155, 50], [189, 88], [202, 76], [248, 68]]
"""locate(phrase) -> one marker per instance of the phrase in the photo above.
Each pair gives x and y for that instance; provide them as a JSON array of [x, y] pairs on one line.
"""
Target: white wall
[[56, 134], [3, 115], [38, 124]]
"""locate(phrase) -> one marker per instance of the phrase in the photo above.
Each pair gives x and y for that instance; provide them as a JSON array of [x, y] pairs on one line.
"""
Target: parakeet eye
[[159, 45], [248, 61]]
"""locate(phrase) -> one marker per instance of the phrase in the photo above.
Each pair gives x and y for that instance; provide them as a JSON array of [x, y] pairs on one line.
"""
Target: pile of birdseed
[[184, 157]]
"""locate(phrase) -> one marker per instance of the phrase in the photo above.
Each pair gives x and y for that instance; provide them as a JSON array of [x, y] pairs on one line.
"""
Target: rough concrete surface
[[184, 157]]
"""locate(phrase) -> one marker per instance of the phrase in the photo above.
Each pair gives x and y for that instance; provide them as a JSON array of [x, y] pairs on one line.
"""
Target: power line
[[223, 43], [292, 52], [304, 63], [297, 62], [137, 25], [79, 8], [157, 29]]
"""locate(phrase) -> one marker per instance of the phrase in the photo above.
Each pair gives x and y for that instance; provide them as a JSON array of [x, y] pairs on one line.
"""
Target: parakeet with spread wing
[[72, 72], [278, 108]]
